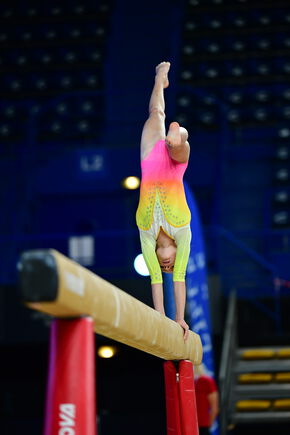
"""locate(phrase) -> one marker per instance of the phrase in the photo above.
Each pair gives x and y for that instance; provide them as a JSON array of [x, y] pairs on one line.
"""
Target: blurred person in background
[[207, 399]]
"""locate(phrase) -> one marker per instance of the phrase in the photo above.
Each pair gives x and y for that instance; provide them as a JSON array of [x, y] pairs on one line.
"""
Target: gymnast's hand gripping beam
[[53, 284]]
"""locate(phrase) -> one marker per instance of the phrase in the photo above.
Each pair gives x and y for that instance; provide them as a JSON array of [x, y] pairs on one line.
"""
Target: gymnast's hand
[[185, 327]]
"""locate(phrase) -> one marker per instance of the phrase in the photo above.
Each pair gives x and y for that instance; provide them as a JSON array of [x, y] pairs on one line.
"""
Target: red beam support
[[172, 399], [187, 399], [71, 397], [181, 415]]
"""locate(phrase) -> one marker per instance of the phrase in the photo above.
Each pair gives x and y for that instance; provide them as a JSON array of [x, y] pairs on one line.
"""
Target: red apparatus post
[[187, 399], [181, 415], [71, 397], [172, 399]]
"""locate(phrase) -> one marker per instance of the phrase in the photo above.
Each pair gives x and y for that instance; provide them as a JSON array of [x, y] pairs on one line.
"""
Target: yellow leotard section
[[148, 245]]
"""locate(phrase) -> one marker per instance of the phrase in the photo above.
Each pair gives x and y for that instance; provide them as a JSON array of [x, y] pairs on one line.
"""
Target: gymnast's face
[[166, 258]]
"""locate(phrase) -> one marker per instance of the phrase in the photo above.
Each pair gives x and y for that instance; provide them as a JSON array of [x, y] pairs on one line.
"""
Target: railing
[[251, 253], [227, 360], [272, 272]]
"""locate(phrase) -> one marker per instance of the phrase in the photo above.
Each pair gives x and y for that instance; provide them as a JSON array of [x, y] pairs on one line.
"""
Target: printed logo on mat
[[67, 419]]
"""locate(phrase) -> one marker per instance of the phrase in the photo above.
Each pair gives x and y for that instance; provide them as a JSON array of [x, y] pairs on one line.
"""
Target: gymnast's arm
[[148, 246], [182, 238]]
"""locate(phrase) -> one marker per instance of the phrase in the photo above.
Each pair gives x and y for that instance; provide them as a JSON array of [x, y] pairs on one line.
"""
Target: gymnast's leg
[[154, 127]]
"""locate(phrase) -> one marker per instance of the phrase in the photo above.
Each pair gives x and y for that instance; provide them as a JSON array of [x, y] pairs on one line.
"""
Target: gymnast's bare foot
[[176, 135], [162, 73], [173, 137]]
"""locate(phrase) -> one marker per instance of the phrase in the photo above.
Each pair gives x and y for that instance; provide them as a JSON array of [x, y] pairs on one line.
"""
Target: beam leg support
[[173, 422], [187, 399], [181, 415], [71, 398]]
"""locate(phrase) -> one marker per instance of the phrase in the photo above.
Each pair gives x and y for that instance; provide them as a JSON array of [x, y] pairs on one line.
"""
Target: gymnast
[[163, 216]]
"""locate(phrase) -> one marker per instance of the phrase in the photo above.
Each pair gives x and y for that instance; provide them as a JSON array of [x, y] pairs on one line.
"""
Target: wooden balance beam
[[55, 285]]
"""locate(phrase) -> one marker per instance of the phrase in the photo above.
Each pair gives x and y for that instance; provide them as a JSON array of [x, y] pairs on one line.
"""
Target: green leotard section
[[148, 245]]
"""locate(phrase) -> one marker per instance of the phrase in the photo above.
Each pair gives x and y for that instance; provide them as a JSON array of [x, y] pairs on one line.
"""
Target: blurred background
[[75, 80]]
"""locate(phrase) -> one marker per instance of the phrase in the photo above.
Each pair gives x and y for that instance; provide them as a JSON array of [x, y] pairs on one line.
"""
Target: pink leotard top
[[162, 176]]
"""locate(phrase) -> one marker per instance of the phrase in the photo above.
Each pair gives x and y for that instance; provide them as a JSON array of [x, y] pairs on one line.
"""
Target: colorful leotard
[[163, 205]]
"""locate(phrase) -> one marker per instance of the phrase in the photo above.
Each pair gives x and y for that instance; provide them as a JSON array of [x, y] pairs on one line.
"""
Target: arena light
[[140, 265], [107, 351], [131, 183]]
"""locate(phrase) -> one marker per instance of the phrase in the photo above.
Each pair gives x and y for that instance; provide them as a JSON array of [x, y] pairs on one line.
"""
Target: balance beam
[[55, 285]]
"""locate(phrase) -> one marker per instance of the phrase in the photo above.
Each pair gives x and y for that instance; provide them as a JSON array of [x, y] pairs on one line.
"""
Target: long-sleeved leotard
[[163, 205]]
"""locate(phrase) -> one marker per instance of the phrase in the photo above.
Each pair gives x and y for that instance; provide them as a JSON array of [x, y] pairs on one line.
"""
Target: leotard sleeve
[[148, 246], [182, 239]]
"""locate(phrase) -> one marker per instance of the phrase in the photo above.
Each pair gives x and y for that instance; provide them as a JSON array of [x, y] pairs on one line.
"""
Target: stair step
[[272, 365], [282, 404], [282, 377], [261, 417], [266, 391], [264, 353], [283, 353], [255, 378], [253, 405], [262, 378], [254, 354]]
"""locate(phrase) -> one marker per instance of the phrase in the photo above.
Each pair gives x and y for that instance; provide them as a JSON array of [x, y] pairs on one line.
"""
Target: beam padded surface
[[117, 315]]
